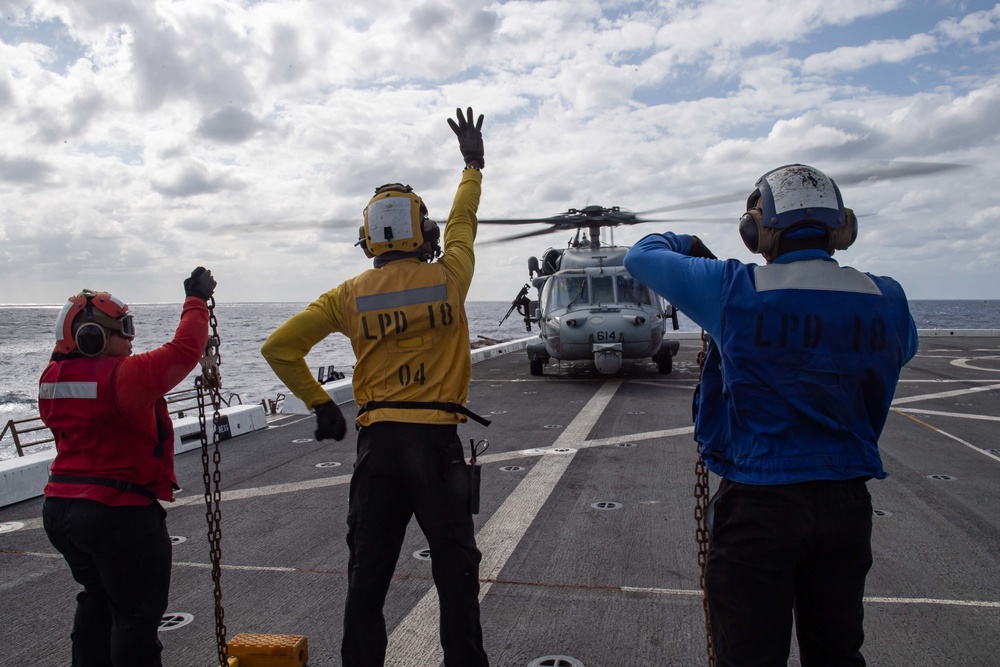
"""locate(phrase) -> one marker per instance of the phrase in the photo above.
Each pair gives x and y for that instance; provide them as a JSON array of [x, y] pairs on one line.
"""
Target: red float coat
[[109, 416]]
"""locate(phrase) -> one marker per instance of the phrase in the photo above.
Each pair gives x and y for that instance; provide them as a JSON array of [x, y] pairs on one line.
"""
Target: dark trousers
[[404, 470], [778, 550], [121, 556]]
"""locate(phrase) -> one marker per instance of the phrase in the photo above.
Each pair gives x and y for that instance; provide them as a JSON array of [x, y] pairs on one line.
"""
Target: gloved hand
[[470, 137], [330, 422], [699, 249], [201, 284]]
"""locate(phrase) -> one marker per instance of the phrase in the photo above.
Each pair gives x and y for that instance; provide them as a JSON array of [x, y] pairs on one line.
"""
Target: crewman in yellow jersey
[[407, 324]]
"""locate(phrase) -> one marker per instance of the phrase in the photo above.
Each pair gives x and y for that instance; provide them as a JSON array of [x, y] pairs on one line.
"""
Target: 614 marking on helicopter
[[588, 307]]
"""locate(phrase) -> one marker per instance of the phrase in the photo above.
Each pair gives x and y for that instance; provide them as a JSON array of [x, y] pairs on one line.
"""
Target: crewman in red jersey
[[114, 461]]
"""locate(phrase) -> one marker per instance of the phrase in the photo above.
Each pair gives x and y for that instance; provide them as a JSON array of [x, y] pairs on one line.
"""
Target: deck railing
[[18, 428], [179, 404]]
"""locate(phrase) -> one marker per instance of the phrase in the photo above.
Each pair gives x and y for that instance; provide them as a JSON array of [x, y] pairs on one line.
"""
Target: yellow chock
[[257, 650]]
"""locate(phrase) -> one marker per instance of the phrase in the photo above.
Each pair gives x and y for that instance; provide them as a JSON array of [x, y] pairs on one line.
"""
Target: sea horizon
[[168, 303]]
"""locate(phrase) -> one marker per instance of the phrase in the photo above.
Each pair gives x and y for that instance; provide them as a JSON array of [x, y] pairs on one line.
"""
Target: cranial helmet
[[86, 319], [796, 197], [396, 220]]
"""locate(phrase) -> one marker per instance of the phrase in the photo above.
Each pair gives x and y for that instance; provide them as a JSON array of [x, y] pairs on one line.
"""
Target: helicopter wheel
[[664, 363], [536, 366]]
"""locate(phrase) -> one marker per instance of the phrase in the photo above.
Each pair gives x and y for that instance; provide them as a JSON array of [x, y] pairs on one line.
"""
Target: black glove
[[699, 249], [329, 421], [201, 284], [470, 137]]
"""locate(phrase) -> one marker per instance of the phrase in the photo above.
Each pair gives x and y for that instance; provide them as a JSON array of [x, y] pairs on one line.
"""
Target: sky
[[142, 138]]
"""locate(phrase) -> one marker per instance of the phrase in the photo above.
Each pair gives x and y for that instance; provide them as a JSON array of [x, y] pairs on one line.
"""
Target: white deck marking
[[943, 394], [243, 494], [953, 437], [415, 640], [944, 381], [678, 592], [964, 363], [636, 437], [956, 603], [312, 484], [678, 384], [27, 524], [960, 415], [289, 422]]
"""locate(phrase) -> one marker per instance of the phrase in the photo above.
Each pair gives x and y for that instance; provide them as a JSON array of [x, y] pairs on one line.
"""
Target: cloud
[[25, 170], [229, 125], [193, 179], [971, 26], [849, 58], [174, 129]]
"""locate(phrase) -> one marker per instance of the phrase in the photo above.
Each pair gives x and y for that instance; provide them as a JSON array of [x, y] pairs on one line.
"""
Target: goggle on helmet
[[93, 314], [394, 220]]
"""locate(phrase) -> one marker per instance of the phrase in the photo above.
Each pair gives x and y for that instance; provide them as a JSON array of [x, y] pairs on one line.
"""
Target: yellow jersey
[[407, 325]]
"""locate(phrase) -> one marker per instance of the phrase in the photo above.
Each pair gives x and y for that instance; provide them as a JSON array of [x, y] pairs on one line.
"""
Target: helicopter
[[588, 307]]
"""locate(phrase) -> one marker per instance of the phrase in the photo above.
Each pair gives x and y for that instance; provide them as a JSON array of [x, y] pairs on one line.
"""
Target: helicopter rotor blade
[[896, 170], [286, 225], [678, 221], [884, 171], [537, 232], [695, 221], [698, 203], [523, 221]]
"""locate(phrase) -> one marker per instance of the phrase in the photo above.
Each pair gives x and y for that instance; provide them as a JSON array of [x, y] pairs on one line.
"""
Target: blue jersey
[[803, 364]]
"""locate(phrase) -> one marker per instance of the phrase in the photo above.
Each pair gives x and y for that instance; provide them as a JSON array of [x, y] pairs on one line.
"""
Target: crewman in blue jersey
[[406, 322], [802, 365]]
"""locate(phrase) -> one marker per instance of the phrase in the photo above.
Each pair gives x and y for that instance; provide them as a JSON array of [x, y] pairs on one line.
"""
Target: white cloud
[[145, 133], [848, 58]]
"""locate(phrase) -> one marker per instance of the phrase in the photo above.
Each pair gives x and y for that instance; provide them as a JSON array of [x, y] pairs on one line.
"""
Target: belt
[[120, 484], [425, 405]]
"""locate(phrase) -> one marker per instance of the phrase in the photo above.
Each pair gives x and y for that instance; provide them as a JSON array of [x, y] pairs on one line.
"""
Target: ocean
[[26, 340]]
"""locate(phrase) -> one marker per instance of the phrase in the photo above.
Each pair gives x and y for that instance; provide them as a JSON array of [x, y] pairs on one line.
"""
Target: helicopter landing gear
[[664, 363], [538, 356], [664, 357]]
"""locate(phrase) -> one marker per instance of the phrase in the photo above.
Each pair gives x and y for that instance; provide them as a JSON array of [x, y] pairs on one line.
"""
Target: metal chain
[[702, 494], [211, 380]]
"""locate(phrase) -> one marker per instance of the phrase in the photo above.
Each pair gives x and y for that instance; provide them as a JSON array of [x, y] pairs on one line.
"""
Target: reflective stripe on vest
[[67, 390], [817, 274], [409, 297]]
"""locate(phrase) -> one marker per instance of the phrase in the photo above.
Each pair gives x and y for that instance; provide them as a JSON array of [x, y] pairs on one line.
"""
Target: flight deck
[[586, 528]]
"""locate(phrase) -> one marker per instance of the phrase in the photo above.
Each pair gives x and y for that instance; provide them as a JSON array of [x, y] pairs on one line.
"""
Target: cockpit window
[[631, 290], [603, 289], [565, 290]]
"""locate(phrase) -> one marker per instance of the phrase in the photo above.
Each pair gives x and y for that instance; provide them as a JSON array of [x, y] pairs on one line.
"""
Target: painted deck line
[[309, 485], [939, 413], [415, 640], [943, 394], [971, 446], [947, 381], [675, 592]]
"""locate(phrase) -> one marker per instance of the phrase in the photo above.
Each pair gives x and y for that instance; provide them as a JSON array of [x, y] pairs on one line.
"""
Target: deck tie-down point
[[555, 661]]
